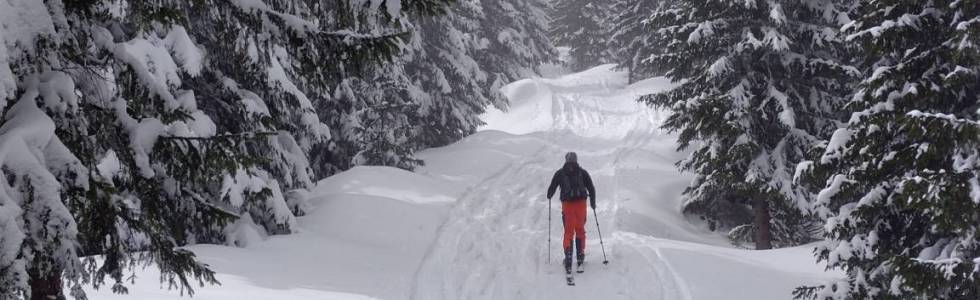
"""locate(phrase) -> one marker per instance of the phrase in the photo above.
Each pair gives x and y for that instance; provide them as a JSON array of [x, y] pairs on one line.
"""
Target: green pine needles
[[901, 194]]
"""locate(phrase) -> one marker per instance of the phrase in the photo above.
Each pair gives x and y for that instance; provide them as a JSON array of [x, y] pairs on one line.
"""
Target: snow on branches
[[900, 190], [761, 79]]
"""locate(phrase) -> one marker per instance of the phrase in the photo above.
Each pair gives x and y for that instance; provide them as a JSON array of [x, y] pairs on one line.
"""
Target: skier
[[575, 185]]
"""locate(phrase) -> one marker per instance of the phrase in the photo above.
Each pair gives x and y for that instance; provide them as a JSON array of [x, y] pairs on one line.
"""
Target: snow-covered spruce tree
[[516, 42], [447, 83], [127, 138], [379, 128], [153, 161], [630, 41], [449, 71], [902, 198], [759, 81], [581, 26], [292, 89], [64, 74], [228, 175], [380, 109], [463, 59]]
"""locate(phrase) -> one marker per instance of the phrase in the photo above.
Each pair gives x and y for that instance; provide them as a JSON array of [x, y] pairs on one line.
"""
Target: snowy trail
[[492, 244], [473, 223]]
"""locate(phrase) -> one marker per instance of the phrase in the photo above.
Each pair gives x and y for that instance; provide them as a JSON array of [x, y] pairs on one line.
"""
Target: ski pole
[[605, 261], [549, 231]]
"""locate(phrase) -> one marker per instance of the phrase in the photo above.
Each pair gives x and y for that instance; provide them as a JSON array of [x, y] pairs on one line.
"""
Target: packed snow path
[[473, 223], [494, 242]]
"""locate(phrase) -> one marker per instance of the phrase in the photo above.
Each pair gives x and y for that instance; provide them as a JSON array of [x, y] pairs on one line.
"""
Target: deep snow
[[473, 223]]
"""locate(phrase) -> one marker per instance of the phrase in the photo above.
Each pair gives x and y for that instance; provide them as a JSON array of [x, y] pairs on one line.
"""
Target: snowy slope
[[473, 223]]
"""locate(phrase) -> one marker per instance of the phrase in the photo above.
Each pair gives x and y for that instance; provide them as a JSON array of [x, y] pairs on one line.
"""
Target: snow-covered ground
[[473, 223]]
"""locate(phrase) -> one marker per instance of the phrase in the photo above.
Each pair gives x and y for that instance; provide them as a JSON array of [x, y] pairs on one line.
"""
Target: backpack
[[573, 185]]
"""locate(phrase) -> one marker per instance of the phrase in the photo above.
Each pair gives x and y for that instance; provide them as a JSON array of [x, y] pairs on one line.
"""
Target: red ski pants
[[573, 213]]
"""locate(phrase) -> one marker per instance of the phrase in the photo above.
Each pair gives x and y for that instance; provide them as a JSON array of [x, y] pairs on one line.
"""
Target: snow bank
[[361, 244], [350, 246], [530, 102], [593, 103], [147, 287], [484, 153], [389, 183]]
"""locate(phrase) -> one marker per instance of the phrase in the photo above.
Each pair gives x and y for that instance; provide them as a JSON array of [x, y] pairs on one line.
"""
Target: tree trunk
[[763, 236], [46, 286]]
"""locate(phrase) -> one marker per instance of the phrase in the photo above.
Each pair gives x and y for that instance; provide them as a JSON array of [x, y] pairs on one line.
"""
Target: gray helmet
[[571, 157]]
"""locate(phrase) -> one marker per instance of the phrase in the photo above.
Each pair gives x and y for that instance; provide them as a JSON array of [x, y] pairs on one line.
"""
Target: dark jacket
[[575, 183]]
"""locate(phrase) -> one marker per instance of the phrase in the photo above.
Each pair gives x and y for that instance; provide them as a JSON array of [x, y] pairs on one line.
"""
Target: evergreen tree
[[450, 70], [379, 128], [389, 112], [138, 127], [469, 55], [900, 190], [581, 26], [630, 41], [449, 84], [759, 82], [517, 32]]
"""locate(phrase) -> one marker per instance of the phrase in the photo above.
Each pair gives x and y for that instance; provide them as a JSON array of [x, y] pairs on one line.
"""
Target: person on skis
[[575, 185]]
